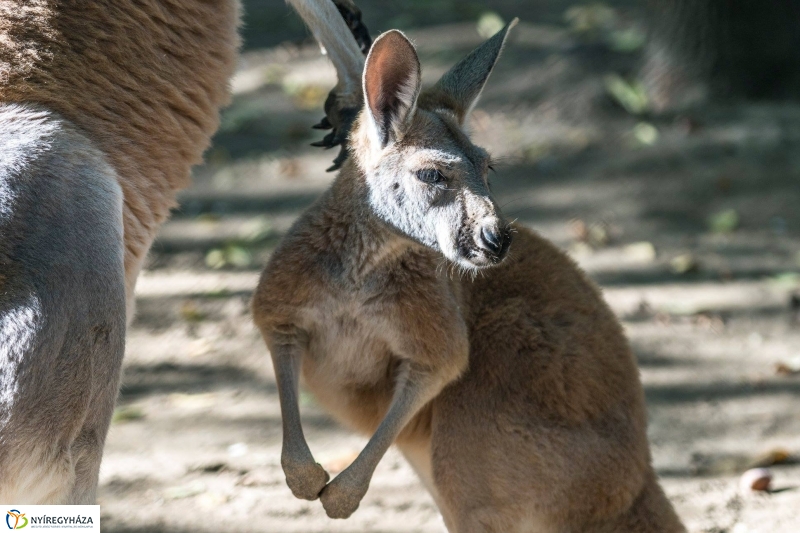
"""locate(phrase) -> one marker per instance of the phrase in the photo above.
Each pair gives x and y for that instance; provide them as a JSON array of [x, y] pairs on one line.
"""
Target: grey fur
[[62, 307]]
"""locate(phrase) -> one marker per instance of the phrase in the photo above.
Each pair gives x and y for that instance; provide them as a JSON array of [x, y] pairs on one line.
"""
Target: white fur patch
[[18, 329], [38, 477]]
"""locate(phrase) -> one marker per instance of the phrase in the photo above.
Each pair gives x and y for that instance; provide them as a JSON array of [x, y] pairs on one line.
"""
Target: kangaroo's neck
[[351, 232], [143, 81]]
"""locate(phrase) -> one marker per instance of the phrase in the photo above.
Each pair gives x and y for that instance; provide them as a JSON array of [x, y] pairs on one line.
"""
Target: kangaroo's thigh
[[62, 307], [501, 467], [487, 482]]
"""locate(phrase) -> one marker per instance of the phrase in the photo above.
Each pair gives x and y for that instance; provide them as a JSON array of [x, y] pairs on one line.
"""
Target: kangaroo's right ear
[[391, 84], [459, 89]]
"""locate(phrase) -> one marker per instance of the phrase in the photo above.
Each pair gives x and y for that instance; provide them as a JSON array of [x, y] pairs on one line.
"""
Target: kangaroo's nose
[[492, 239]]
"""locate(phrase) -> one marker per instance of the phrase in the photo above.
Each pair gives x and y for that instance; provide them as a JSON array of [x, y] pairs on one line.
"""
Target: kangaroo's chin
[[475, 260], [473, 257]]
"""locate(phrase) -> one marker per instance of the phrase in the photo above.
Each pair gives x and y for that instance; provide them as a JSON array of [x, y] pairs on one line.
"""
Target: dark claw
[[329, 141], [352, 16], [324, 124], [341, 158]]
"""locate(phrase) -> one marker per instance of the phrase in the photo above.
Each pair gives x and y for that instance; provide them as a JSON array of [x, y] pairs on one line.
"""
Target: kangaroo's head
[[424, 176]]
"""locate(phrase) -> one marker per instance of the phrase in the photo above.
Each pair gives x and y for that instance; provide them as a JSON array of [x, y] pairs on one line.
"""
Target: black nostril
[[492, 239]]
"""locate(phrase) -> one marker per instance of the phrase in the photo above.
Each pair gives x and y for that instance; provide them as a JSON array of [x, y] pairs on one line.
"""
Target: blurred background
[[657, 143]]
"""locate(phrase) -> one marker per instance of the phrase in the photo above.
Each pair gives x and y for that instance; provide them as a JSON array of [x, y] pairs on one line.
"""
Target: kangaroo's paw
[[339, 117], [341, 497], [305, 479], [352, 16], [341, 110]]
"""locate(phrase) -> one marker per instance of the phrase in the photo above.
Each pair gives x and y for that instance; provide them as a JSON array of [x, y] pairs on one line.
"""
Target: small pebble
[[756, 479]]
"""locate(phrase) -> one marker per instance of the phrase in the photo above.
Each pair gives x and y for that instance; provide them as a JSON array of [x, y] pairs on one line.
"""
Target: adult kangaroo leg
[[62, 307]]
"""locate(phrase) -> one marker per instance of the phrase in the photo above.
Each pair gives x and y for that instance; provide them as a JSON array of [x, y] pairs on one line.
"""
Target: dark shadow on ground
[[163, 378], [716, 392]]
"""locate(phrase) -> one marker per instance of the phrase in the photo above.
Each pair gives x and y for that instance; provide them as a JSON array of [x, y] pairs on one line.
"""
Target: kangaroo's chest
[[349, 343]]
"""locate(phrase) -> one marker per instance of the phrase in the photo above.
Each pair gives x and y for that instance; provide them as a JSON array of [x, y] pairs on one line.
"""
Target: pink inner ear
[[392, 63]]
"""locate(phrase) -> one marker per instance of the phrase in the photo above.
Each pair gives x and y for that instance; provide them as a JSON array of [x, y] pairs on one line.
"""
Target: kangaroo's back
[[142, 80], [559, 338], [550, 412]]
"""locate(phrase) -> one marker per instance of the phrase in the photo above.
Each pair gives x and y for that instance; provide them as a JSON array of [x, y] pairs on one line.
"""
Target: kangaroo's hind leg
[[509, 471], [62, 307], [483, 480]]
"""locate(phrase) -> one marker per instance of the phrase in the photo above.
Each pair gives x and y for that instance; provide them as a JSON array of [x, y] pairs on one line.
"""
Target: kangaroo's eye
[[430, 176]]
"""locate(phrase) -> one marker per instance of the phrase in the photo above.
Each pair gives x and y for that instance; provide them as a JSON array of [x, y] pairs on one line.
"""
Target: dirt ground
[[689, 221]]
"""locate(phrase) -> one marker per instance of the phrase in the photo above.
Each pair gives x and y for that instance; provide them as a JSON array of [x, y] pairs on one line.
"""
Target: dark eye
[[430, 176]]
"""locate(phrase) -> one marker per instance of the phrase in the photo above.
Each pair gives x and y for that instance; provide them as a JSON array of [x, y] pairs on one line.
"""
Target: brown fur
[[144, 80], [513, 392], [104, 107], [549, 412]]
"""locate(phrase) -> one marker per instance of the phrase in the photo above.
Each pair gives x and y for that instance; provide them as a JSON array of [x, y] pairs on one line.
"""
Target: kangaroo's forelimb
[[415, 387], [304, 476]]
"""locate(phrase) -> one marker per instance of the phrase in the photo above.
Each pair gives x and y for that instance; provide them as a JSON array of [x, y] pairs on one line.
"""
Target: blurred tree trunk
[[729, 48]]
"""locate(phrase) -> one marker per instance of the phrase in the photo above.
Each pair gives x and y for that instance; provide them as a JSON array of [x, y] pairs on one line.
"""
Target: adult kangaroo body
[[104, 108]]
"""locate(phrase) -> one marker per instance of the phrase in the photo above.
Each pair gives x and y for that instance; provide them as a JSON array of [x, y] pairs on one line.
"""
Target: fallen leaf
[[190, 312], [184, 491], [627, 40], [212, 499], [307, 97], [724, 221], [258, 229], [587, 20], [215, 259], [127, 413], [641, 252], [632, 95], [193, 401], [770, 458], [684, 264], [645, 133]]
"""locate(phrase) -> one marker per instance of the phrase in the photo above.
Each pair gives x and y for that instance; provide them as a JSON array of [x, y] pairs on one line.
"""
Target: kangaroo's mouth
[[483, 248]]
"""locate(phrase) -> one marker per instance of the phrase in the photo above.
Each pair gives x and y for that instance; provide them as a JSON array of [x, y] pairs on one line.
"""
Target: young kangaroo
[[512, 392]]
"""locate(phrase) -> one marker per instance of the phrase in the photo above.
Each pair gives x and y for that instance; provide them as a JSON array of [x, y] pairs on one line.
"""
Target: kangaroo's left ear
[[460, 87], [391, 85]]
